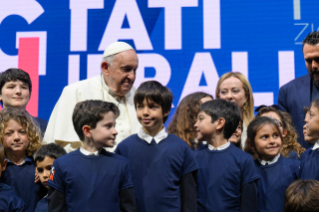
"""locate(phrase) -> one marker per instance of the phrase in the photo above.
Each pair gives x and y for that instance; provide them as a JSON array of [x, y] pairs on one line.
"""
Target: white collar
[[274, 160], [161, 135], [316, 146], [222, 147], [85, 152]]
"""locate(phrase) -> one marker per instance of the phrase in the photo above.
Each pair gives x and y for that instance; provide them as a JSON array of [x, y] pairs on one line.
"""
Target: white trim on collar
[[222, 147], [316, 146], [88, 153], [274, 160], [161, 135]]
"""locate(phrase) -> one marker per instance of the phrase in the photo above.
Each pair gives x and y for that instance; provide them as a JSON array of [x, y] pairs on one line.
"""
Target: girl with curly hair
[[264, 139], [185, 117], [290, 146], [21, 139]]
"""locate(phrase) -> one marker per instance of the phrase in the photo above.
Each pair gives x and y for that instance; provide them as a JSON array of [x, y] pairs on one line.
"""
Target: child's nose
[[16, 136], [18, 89], [146, 110], [46, 173]]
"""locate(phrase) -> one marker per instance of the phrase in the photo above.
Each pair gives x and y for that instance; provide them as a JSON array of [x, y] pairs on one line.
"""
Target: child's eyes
[[22, 132], [8, 133], [40, 170]]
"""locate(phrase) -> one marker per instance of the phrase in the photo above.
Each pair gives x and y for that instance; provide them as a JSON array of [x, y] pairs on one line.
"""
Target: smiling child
[[276, 172], [163, 167]]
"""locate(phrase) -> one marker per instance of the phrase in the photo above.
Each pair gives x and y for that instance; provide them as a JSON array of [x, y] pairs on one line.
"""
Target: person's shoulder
[[68, 158], [94, 81], [296, 81], [128, 141], [291, 161], [118, 158], [174, 139], [239, 154], [307, 153], [8, 195]]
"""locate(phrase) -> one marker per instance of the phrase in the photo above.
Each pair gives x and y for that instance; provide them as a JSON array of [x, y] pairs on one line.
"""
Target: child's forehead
[[46, 161], [267, 127], [108, 116], [15, 82]]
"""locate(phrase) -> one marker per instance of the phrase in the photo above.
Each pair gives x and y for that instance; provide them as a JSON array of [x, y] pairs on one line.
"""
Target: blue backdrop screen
[[185, 44]]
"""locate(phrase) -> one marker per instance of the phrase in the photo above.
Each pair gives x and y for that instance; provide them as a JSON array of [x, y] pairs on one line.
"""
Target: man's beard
[[315, 81]]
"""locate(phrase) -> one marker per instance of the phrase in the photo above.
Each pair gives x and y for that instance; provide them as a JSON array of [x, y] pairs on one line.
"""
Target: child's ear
[[87, 131], [4, 164], [166, 114], [220, 123], [284, 133], [105, 68], [249, 144]]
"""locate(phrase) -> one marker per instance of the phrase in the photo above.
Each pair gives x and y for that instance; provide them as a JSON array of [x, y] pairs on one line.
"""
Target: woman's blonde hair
[[25, 120], [248, 108]]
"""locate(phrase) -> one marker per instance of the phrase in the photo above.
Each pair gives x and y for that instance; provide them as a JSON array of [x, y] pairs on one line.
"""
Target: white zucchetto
[[115, 48]]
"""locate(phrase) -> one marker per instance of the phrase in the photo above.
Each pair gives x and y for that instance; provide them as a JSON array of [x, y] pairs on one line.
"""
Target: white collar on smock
[[161, 135], [316, 146], [269, 162], [85, 152], [222, 147]]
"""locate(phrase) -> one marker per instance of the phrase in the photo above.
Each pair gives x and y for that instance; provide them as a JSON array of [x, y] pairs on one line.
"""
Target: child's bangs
[[150, 96]]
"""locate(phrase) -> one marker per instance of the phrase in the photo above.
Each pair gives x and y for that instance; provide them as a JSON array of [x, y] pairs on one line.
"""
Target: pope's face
[[120, 76]]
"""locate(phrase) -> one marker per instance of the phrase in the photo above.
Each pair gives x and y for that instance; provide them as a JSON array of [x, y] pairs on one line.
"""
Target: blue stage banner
[[184, 44]]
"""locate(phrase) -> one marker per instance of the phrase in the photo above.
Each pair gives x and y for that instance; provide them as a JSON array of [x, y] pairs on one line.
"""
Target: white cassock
[[60, 127]]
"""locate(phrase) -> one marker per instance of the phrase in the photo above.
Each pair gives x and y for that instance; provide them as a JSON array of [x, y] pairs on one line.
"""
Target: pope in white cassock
[[114, 84]]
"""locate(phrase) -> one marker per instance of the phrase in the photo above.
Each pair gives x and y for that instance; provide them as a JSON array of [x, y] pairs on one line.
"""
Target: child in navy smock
[[227, 175], [276, 172], [162, 165], [309, 164], [44, 159], [90, 178], [9, 200], [20, 138]]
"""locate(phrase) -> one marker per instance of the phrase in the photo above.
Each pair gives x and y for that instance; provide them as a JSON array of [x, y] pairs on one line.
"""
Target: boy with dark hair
[[163, 167], [227, 175], [15, 91], [9, 200], [44, 159], [90, 178]]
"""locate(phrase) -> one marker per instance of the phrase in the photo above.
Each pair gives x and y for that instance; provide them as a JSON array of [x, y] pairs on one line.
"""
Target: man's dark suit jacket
[[293, 97]]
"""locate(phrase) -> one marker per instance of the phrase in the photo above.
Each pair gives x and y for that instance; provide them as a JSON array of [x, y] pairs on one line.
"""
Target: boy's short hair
[[302, 196], [220, 108], [2, 155], [51, 150], [15, 74], [90, 112], [156, 92]]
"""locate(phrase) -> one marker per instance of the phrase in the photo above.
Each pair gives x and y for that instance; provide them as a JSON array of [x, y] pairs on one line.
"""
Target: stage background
[[185, 44]]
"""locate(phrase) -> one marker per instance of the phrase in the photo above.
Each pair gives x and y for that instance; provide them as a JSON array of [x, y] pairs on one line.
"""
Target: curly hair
[[25, 120], [185, 117], [289, 142]]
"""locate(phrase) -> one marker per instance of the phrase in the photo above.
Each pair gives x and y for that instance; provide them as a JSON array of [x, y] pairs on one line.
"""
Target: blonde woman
[[234, 87]]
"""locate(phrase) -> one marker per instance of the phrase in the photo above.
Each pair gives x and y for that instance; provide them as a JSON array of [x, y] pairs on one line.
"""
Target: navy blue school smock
[[221, 175]]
